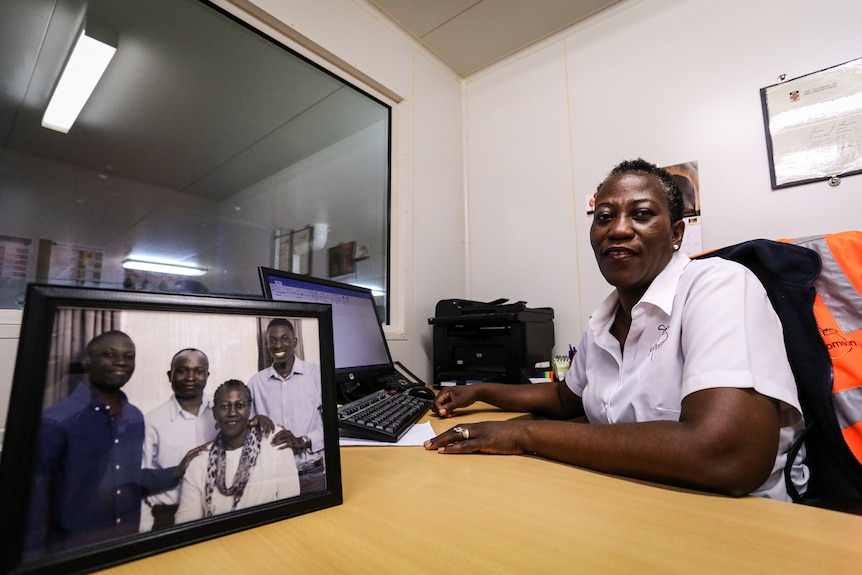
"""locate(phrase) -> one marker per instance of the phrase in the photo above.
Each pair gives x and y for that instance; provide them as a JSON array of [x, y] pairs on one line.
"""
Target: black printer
[[489, 341]]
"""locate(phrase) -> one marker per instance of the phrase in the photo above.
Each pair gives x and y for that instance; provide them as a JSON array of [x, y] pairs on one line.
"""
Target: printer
[[489, 341]]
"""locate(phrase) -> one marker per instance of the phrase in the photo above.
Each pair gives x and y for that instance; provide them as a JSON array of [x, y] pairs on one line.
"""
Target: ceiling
[[175, 109], [472, 34], [154, 93]]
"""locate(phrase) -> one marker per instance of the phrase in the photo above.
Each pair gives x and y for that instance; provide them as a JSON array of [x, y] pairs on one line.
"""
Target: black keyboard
[[381, 416]]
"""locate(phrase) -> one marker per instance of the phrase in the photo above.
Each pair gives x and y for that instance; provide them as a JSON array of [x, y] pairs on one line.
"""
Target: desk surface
[[407, 510]]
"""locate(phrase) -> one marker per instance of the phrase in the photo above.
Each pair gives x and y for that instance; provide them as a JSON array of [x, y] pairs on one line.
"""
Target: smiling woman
[[681, 371], [635, 231], [241, 469], [202, 142]]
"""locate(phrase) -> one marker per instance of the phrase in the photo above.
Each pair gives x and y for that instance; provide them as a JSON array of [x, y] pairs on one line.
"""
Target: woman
[[239, 469], [685, 358]]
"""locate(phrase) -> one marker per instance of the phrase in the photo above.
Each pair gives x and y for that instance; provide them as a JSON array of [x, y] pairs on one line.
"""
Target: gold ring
[[465, 433]]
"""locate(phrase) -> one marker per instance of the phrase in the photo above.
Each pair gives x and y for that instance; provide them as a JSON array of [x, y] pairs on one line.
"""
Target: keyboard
[[381, 416]]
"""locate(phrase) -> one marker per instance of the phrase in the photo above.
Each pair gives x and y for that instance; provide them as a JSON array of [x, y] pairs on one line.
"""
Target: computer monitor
[[361, 352]]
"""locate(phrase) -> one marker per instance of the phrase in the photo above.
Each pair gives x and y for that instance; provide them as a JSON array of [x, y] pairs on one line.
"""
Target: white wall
[[667, 80], [428, 201], [522, 241]]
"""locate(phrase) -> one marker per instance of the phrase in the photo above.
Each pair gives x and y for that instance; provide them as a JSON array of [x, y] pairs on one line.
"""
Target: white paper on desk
[[418, 435]]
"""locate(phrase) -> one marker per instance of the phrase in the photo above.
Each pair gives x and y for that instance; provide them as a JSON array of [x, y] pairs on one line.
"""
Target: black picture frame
[[810, 124], [185, 320], [293, 250]]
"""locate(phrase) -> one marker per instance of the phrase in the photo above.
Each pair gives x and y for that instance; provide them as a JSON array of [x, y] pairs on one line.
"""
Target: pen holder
[[561, 366]]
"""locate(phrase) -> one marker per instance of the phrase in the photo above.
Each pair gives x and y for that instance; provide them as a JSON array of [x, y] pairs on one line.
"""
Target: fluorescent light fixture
[[85, 67], [162, 266], [375, 291]]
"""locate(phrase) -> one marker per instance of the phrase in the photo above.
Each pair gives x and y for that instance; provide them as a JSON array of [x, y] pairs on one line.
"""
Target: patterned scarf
[[216, 469]]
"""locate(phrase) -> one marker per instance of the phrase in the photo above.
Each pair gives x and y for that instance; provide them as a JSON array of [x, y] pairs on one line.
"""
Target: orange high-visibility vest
[[838, 311]]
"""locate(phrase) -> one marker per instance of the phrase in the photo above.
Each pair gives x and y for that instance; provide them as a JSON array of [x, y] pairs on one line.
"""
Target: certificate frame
[[148, 319], [813, 126]]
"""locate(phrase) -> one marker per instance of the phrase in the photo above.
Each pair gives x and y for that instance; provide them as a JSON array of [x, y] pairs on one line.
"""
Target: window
[[204, 144]]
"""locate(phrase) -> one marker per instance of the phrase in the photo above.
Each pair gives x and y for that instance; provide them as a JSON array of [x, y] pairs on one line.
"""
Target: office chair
[[788, 273]]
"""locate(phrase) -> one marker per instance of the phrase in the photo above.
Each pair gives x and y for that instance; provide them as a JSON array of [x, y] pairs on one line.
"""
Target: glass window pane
[[204, 143]]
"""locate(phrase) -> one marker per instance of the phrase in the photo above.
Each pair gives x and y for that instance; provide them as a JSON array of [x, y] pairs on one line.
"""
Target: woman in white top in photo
[[239, 469], [681, 372]]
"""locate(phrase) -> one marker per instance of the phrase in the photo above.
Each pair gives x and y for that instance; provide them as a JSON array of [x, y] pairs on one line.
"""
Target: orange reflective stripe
[[835, 285], [853, 439], [845, 250], [848, 407], [838, 311], [845, 350]]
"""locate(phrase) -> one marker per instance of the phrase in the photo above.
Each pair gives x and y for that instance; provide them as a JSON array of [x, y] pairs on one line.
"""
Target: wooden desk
[[410, 511]]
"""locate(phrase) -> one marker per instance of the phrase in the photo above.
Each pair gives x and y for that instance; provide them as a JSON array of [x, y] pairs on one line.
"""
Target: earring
[[675, 247]]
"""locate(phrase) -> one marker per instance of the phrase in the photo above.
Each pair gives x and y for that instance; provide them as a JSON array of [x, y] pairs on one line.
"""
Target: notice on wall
[[686, 177], [14, 257], [692, 241], [70, 264]]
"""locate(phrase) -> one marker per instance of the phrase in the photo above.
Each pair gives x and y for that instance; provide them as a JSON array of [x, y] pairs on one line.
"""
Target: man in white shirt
[[177, 430]]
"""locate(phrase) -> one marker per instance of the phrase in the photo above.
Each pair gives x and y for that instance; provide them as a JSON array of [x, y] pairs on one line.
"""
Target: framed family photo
[[140, 422]]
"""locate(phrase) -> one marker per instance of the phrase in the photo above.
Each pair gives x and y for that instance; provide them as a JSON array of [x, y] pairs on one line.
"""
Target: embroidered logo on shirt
[[660, 340]]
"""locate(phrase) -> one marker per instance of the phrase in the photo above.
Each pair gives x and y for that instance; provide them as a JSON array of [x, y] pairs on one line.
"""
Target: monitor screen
[[361, 352]]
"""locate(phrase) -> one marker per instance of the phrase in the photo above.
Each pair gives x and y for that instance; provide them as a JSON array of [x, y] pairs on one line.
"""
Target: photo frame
[[341, 259], [293, 250], [49, 380], [813, 126], [302, 250]]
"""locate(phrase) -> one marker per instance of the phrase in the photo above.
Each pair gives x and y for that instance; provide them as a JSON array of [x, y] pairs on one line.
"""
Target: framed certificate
[[814, 125]]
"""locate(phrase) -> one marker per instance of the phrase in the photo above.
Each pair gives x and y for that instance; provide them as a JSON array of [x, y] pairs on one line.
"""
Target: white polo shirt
[[701, 324]]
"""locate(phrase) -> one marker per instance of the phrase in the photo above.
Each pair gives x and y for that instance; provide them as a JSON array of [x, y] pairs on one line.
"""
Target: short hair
[[184, 350], [671, 190], [232, 384], [105, 335], [281, 321]]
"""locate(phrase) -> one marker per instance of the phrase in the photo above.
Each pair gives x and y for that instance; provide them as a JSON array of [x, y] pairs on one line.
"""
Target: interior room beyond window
[[205, 146]]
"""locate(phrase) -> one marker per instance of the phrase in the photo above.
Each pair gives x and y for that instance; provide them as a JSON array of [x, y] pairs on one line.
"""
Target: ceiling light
[[319, 234], [162, 266], [375, 291], [85, 67]]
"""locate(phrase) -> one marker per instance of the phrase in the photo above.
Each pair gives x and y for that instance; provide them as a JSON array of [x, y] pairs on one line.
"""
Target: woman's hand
[[451, 398], [495, 437]]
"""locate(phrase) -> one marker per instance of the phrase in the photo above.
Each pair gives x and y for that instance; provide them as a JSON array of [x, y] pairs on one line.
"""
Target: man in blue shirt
[[88, 484]]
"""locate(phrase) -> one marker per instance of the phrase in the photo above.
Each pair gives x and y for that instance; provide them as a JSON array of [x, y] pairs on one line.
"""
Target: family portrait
[[154, 419]]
